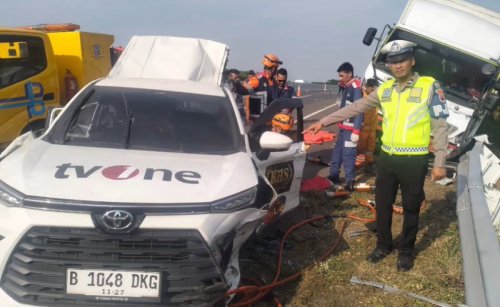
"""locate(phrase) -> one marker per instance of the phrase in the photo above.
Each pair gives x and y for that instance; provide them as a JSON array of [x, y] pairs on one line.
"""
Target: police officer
[[414, 107]]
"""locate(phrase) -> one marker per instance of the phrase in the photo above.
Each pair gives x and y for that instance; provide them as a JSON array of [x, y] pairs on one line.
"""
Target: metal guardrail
[[479, 242]]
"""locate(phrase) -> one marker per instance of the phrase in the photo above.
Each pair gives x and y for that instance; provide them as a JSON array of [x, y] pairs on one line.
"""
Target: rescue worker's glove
[[354, 137]]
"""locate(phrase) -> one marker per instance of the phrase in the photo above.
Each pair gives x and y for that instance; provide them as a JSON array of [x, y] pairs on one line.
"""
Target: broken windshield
[[155, 120], [459, 73]]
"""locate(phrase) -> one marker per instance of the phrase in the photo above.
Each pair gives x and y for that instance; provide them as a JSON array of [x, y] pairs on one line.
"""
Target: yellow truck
[[43, 67]]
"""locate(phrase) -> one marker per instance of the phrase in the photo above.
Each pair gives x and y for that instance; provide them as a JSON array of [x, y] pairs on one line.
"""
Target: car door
[[283, 169]]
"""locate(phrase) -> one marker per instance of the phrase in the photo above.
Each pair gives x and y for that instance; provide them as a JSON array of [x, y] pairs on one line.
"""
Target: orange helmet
[[283, 122], [271, 60]]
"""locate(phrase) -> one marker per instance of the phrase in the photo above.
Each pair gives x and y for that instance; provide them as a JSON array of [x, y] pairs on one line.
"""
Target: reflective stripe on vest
[[407, 122]]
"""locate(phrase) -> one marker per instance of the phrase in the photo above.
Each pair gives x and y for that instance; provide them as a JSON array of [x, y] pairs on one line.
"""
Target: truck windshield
[[459, 73], [21, 57], [154, 120]]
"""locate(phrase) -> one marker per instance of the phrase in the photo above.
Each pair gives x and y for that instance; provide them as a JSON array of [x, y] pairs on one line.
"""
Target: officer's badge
[[395, 48], [441, 96], [386, 95]]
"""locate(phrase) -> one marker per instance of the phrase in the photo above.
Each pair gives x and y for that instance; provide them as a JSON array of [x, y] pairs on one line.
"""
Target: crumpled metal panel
[[168, 57]]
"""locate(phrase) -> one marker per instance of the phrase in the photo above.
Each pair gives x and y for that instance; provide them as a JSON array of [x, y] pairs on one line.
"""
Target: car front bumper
[[197, 254]]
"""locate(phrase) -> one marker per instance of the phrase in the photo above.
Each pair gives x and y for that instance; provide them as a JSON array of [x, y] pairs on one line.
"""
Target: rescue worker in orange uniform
[[264, 80], [367, 137]]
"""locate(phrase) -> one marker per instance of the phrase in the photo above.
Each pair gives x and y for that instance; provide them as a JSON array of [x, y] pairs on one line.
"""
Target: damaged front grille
[[36, 271]]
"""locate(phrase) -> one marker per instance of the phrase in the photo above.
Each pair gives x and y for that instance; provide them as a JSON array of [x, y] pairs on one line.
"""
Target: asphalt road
[[317, 105]]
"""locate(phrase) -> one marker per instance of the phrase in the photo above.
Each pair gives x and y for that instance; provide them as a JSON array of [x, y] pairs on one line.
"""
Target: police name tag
[[111, 285]]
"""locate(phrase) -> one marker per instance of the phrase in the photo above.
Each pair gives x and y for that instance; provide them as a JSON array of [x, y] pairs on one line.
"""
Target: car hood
[[117, 175]]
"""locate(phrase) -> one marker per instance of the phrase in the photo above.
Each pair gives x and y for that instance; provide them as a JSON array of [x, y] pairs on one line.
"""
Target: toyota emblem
[[117, 220]]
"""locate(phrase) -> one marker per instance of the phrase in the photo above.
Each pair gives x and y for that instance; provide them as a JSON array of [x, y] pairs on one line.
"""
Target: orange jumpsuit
[[367, 137]]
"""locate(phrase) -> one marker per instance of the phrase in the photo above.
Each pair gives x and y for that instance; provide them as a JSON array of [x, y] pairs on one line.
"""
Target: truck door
[[28, 81], [283, 169]]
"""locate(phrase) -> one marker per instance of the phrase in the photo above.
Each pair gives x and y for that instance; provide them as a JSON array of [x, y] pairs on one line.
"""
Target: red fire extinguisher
[[70, 85]]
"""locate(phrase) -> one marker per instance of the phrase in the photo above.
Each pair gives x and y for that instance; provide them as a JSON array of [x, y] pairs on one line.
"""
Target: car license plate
[[115, 284]]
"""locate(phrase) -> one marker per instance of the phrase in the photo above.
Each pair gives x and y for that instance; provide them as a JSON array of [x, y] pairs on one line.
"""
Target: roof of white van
[[174, 58], [169, 85]]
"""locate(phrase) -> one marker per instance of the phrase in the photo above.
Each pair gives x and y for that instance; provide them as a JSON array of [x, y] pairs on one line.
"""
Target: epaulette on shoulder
[[428, 79]]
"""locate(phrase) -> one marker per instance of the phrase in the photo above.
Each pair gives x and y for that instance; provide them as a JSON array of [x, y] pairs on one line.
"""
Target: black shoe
[[405, 261], [335, 180], [378, 254], [349, 186]]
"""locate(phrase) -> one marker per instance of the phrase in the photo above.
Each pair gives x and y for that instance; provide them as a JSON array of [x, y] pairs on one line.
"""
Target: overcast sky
[[312, 37]]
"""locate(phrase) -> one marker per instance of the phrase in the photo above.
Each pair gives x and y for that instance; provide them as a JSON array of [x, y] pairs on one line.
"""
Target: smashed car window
[[459, 73], [155, 120]]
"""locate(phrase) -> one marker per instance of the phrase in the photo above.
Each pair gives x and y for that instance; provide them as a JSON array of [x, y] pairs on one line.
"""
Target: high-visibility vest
[[407, 122]]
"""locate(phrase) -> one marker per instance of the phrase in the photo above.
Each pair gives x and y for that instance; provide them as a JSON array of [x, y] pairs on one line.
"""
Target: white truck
[[458, 44], [144, 187]]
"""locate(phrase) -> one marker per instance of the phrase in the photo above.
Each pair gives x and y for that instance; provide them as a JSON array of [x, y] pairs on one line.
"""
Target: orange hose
[[366, 203], [259, 292]]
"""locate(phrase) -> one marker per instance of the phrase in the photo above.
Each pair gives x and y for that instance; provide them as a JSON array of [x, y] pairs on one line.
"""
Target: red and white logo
[[119, 172]]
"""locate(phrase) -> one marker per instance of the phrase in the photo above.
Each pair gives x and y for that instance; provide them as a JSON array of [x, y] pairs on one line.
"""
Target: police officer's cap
[[398, 50]]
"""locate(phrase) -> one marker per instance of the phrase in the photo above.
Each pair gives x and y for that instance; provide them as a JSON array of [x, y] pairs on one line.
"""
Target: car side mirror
[[273, 141], [369, 36], [53, 114]]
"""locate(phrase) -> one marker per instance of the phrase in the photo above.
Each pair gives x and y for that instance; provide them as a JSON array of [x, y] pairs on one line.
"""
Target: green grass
[[437, 273]]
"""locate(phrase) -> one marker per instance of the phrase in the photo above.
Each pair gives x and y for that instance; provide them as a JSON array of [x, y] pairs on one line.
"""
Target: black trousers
[[407, 172]]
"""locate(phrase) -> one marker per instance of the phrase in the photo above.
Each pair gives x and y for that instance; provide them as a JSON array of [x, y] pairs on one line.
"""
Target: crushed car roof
[[168, 57], [170, 85]]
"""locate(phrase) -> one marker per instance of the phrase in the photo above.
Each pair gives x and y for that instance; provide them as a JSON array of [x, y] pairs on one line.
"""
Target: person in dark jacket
[[237, 88], [280, 88]]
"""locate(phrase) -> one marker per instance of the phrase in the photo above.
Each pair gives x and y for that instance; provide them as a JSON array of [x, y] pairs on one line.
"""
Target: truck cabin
[[21, 57]]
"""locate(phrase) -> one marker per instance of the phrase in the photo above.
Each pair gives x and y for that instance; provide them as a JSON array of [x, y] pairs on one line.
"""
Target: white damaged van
[[144, 187]]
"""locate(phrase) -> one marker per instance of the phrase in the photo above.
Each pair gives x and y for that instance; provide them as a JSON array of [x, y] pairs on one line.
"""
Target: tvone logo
[[125, 172]]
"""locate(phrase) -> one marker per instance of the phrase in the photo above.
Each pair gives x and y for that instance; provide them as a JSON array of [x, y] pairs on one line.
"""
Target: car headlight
[[10, 197], [235, 202]]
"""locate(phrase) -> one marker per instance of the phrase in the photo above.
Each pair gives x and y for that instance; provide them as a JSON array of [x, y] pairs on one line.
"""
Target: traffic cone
[[299, 92]]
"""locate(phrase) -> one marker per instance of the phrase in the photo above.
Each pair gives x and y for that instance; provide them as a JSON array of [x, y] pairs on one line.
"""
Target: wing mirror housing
[[273, 141], [369, 36]]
